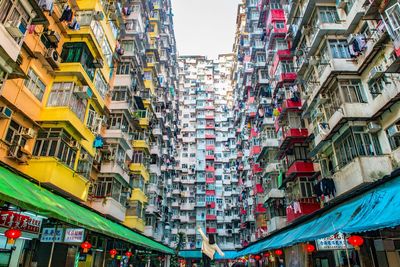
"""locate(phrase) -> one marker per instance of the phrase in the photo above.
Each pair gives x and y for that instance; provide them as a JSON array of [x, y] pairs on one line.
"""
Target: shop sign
[[74, 235], [52, 235], [336, 241], [25, 223]]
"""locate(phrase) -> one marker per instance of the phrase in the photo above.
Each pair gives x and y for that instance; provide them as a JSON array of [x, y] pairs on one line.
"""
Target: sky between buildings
[[205, 27]]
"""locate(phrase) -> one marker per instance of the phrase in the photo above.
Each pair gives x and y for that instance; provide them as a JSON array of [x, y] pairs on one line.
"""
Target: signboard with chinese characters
[[21, 221], [52, 235], [336, 241], [74, 235]]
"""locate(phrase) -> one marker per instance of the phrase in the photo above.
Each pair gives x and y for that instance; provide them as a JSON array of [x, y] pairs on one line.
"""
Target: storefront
[[358, 230], [40, 228]]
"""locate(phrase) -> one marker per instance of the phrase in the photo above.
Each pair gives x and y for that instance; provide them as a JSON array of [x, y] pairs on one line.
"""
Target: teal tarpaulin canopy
[[372, 210]]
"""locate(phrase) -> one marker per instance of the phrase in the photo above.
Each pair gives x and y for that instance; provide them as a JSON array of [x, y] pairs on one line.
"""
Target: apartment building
[[205, 191], [317, 106], [87, 109]]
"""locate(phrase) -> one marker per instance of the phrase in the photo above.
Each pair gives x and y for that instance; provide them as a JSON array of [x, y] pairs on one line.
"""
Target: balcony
[[140, 168], [138, 195], [260, 208], [274, 193], [109, 206], [134, 222], [211, 230], [300, 168], [144, 118], [361, 170], [114, 168], [306, 208], [211, 217], [293, 135], [187, 206], [51, 172], [140, 141], [210, 157], [276, 223]]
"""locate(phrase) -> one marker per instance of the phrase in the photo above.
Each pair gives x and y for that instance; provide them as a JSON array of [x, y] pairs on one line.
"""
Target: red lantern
[[86, 246], [279, 252], [356, 241], [12, 234], [267, 254], [310, 248], [257, 257], [113, 252], [128, 254]]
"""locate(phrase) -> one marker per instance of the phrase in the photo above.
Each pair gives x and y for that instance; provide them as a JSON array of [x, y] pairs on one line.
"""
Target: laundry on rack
[[67, 14]]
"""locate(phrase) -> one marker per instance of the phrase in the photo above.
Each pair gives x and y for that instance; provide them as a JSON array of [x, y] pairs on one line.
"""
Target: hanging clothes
[[46, 5], [296, 207], [67, 14]]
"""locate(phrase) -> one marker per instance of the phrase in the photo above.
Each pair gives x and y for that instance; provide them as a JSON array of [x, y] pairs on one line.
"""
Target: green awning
[[18, 191]]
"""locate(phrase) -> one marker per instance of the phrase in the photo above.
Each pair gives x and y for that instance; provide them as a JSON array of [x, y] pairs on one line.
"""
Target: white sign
[[52, 235], [74, 235], [336, 241]]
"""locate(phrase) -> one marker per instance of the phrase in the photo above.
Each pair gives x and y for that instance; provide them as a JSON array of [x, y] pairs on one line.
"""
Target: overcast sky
[[204, 27]]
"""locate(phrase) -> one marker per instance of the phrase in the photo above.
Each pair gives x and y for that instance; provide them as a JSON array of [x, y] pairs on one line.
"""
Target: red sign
[[25, 223]]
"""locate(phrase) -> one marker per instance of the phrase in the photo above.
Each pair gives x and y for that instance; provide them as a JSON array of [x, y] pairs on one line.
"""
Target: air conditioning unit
[[53, 36], [5, 112], [376, 72], [394, 130], [53, 58], [373, 127], [83, 92], [18, 153], [98, 63], [28, 133], [14, 29]]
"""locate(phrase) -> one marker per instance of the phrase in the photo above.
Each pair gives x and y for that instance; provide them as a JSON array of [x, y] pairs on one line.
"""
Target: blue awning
[[196, 254], [372, 210]]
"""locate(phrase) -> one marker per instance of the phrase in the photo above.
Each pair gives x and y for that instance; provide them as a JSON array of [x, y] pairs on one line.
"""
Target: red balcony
[[210, 168], [210, 157], [290, 104], [293, 135], [259, 189], [210, 147], [211, 205], [211, 230], [260, 208], [210, 180], [243, 211], [300, 168], [283, 54], [210, 126], [210, 136], [210, 108], [255, 150], [240, 167], [210, 117], [275, 15], [256, 168], [286, 77], [210, 192], [239, 154], [306, 208], [211, 217]]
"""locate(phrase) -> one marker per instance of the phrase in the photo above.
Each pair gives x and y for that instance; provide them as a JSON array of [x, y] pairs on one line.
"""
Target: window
[[339, 48], [35, 85], [328, 14], [353, 91], [287, 66], [356, 142], [80, 53], [85, 164], [394, 140], [280, 24], [13, 137], [393, 14], [14, 13], [61, 95], [101, 84], [109, 187], [377, 86], [56, 142], [119, 93], [124, 69]]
